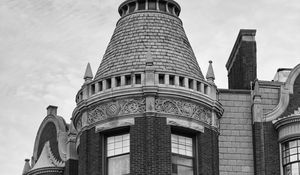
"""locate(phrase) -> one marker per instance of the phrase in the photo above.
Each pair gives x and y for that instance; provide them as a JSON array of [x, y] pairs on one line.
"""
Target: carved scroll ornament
[[183, 108]]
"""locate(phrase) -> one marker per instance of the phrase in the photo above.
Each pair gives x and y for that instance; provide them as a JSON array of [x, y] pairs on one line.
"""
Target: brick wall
[[71, 167], [208, 159], [267, 161], [90, 151], [243, 70], [235, 140], [150, 149], [151, 146]]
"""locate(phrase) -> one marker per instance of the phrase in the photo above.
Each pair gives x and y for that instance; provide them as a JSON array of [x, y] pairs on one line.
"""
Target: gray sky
[[45, 46]]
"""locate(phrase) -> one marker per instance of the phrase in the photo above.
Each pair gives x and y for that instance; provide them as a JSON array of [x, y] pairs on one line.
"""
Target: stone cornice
[[286, 121], [175, 92]]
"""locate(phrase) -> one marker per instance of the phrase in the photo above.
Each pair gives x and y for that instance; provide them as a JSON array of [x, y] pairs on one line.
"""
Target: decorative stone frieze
[[183, 108], [118, 108]]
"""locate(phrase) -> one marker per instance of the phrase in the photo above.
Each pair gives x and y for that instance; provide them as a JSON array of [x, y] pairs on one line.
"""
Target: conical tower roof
[[149, 26]]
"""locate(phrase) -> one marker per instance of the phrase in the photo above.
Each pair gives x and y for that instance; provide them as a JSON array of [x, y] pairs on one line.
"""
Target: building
[[149, 110]]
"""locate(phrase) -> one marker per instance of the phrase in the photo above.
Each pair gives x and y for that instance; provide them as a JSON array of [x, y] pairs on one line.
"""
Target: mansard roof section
[[153, 31]]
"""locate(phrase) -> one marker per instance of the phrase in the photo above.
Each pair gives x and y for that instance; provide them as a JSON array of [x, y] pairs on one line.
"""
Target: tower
[[148, 110]]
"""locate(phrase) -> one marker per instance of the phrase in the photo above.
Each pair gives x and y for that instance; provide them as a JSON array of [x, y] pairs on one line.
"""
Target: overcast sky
[[46, 44]]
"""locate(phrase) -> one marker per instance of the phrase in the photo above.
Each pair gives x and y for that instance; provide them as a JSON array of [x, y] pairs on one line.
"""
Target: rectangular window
[[152, 4], [181, 81], [93, 89], [171, 79], [182, 155], [198, 86], [118, 81], [191, 83], [205, 89], [108, 83], [100, 85], [141, 5], [162, 6], [161, 79], [118, 159], [138, 79], [127, 79]]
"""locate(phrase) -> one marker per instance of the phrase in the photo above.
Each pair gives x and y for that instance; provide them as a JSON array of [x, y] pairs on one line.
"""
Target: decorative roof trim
[[47, 159], [286, 89], [61, 130]]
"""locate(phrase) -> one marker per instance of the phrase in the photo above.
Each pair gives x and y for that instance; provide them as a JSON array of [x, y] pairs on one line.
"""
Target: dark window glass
[[131, 7], [177, 11], [125, 8], [93, 89], [108, 83], [152, 5], [138, 79], [118, 81], [181, 81], [191, 83], [161, 79], [127, 79], [121, 12], [170, 8], [171, 79], [141, 5], [163, 6], [198, 86], [100, 85]]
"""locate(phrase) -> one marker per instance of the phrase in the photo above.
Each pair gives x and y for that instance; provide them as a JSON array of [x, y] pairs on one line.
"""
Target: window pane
[[118, 165], [293, 144], [287, 170], [182, 145], [110, 152], [293, 151], [126, 149], [118, 145], [110, 146], [295, 169], [182, 165], [183, 170]]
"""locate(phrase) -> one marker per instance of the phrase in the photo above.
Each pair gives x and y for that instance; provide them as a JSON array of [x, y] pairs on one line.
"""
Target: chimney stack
[[241, 65]]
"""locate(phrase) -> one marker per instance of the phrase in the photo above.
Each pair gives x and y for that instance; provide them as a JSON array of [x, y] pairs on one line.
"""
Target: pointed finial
[[88, 75], [210, 76], [149, 59], [27, 167]]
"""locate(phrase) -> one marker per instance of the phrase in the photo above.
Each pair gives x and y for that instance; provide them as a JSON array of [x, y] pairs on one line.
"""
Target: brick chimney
[[241, 65]]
